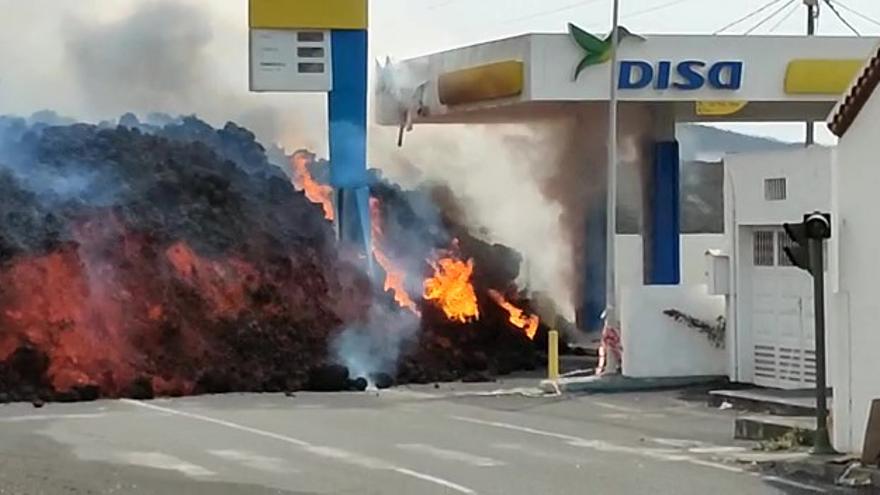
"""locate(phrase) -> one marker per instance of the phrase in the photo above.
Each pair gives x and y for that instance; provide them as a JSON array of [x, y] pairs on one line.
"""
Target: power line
[[551, 11], [842, 19], [653, 9], [857, 13], [786, 17], [748, 16], [771, 16]]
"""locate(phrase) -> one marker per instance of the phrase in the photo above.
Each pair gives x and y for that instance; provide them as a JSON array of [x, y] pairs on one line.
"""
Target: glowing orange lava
[[394, 277], [518, 318], [302, 179], [451, 289]]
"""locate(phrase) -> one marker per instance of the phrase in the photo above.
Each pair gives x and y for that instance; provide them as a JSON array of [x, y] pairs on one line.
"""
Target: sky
[[53, 52]]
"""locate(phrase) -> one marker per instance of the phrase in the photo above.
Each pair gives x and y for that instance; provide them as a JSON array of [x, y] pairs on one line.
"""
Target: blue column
[[347, 108], [665, 258]]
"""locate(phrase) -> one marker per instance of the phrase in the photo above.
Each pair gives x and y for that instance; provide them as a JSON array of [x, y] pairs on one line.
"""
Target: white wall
[[855, 274], [630, 264], [808, 188], [808, 175], [693, 255], [655, 345]]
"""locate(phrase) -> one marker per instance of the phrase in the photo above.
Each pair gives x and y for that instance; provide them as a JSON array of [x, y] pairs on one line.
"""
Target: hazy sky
[[54, 53]]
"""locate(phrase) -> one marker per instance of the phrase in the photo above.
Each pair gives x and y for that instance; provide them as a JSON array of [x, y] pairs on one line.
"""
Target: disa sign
[[689, 75]]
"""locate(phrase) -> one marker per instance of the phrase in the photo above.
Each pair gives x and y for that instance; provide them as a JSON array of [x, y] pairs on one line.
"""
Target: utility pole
[[611, 319], [812, 17]]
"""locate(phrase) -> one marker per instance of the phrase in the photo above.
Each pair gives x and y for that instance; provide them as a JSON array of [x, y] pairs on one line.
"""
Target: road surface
[[402, 441]]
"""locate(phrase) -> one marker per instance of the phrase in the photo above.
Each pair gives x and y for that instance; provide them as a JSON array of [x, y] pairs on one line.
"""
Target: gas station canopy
[[702, 78]]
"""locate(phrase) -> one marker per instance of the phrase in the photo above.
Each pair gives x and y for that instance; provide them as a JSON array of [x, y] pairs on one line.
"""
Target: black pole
[[812, 11], [822, 442]]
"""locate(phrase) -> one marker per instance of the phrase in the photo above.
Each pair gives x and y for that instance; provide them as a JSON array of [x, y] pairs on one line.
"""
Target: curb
[[619, 383]]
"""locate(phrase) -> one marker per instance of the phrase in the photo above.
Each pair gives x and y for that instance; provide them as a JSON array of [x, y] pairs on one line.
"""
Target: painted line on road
[[323, 451], [50, 417], [615, 407], [253, 461], [795, 484], [158, 460], [667, 455], [450, 455], [658, 454]]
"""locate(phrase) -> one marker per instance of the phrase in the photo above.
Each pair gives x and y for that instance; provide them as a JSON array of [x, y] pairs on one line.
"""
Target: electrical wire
[[857, 13], [655, 8], [842, 19], [551, 11], [771, 16], [748, 16], [786, 17]]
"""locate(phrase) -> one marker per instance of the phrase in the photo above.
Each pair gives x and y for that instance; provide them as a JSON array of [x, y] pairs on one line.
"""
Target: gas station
[[663, 80]]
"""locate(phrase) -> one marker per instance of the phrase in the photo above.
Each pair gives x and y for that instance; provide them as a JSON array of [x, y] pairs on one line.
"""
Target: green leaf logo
[[596, 51]]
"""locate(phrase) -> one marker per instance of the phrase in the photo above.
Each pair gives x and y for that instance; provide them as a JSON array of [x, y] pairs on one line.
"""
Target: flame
[[452, 290], [528, 323], [316, 192], [394, 277]]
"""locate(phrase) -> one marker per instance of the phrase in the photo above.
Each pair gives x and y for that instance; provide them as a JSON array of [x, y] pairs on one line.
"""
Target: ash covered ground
[[173, 258]]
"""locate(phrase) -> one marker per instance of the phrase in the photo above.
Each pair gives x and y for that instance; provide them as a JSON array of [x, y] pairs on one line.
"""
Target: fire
[[528, 323], [452, 290], [316, 192], [394, 277]]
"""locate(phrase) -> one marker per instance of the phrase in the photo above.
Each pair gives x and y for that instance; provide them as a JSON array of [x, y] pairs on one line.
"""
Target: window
[[310, 37], [310, 68], [762, 249], [310, 52], [784, 242], [775, 189]]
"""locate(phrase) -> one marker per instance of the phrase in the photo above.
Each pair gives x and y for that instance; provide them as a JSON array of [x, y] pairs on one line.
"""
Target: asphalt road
[[405, 441]]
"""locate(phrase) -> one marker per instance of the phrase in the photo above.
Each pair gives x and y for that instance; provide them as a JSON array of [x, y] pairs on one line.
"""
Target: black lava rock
[[328, 378]]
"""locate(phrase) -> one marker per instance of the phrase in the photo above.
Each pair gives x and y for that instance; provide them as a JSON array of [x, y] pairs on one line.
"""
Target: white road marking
[[50, 417], [158, 460], [679, 442], [435, 480], [323, 451], [716, 449], [666, 455], [450, 455], [531, 451], [615, 407], [254, 461], [802, 486]]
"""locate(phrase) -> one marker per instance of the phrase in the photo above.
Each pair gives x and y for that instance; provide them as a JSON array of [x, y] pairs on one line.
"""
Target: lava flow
[[302, 179], [518, 318], [394, 277], [451, 289]]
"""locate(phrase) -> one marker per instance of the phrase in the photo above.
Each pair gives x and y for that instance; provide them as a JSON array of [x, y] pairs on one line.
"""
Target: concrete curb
[[618, 383], [835, 470]]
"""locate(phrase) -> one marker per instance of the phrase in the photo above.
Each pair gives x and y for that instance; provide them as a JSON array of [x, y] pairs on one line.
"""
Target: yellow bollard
[[553, 355]]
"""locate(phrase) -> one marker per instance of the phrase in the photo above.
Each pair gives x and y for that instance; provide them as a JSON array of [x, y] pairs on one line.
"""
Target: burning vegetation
[[144, 260]]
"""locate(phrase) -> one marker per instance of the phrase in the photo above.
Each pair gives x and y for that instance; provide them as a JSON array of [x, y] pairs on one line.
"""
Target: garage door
[[782, 326]]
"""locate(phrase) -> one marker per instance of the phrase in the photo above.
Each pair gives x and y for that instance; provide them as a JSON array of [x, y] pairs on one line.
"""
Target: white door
[[782, 339]]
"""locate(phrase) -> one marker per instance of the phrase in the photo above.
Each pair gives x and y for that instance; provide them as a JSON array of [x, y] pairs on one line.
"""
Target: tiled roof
[[859, 94]]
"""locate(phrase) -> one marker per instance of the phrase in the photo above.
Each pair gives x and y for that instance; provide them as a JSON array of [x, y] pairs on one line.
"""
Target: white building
[[771, 340], [855, 269]]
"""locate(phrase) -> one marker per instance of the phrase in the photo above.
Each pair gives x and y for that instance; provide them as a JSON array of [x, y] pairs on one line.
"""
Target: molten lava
[[316, 192], [518, 318], [451, 289], [394, 277]]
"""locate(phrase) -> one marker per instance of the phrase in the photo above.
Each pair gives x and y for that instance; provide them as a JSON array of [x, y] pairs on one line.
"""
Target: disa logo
[[688, 75]]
